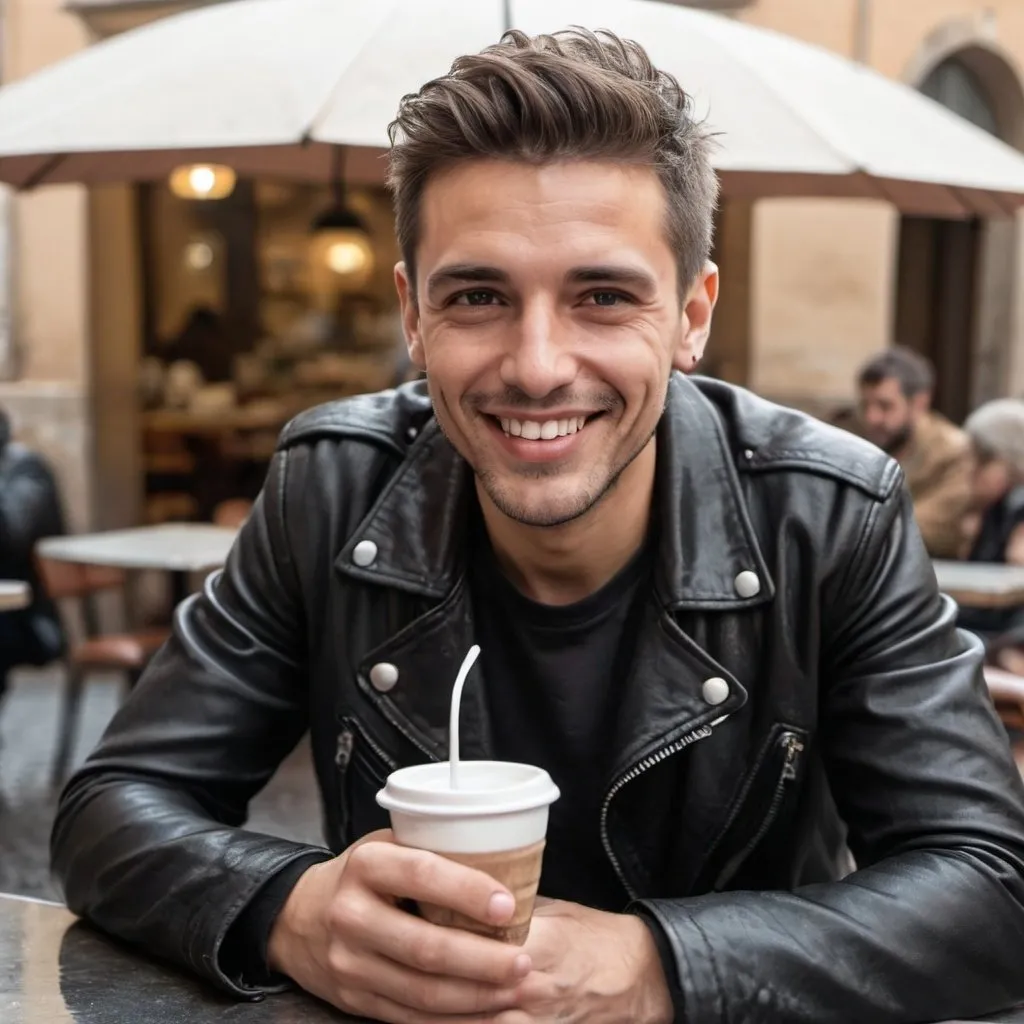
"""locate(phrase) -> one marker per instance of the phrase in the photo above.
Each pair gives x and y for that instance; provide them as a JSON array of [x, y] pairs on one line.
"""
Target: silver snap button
[[715, 691], [364, 553], [412, 433], [383, 676], [747, 584], [748, 454]]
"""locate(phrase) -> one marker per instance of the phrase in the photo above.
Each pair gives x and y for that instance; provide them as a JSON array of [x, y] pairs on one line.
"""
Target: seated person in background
[[993, 529], [895, 414], [30, 509]]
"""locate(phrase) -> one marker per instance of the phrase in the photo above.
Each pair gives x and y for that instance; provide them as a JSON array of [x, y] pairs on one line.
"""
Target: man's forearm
[[928, 935], [146, 863]]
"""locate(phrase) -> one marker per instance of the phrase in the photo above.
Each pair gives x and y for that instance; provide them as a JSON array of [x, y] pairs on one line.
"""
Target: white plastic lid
[[485, 787]]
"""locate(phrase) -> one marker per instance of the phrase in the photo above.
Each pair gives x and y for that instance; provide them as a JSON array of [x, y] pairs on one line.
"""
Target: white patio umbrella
[[271, 87]]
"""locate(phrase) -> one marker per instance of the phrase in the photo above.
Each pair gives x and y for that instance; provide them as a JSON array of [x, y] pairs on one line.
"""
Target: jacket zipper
[[635, 772], [346, 745], [794, 747]]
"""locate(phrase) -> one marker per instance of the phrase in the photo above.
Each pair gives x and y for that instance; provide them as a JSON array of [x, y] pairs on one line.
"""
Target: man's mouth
[[543, 430]]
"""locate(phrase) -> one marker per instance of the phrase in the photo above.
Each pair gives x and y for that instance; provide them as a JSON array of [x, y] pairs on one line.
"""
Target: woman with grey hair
[[994, 529]]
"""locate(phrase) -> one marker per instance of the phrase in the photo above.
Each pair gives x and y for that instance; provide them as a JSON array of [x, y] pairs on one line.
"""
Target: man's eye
[[477, 297], [607, 298]]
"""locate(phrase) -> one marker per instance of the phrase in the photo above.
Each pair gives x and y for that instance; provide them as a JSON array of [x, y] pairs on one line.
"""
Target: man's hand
[[590, 966], [342, 936]]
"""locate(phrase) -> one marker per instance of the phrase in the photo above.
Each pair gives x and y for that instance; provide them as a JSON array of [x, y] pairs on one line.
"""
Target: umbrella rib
[[310, 134], [809, 121]]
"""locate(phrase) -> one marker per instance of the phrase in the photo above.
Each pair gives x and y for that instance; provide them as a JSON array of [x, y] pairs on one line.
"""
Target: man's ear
[[695, 327], [410, 317], [921, 403]]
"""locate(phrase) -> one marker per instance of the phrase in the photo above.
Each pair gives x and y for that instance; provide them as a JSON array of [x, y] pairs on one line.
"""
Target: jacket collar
[[706, 538]]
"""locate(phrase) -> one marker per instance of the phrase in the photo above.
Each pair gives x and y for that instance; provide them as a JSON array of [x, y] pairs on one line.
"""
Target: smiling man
[[711, 619]]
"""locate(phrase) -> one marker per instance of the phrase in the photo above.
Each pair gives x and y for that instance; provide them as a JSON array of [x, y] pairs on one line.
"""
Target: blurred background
[[103, 289]]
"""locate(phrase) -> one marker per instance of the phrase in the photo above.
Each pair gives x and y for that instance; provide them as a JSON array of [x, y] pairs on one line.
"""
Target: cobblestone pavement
[[289, 806]]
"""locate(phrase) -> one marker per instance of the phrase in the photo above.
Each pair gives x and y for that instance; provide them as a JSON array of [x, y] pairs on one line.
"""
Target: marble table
[[177, 548], [14, 595], [981, 584], [56, 970]]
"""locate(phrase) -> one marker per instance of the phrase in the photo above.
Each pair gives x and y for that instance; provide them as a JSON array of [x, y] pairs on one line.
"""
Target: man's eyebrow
[[465, 273], [612, 273]]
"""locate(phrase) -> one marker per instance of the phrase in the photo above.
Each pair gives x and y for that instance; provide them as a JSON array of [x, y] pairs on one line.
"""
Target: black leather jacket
[[847, 686]]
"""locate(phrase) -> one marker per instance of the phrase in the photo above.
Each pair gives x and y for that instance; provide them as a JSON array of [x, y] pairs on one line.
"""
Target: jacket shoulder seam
[[298, 433], [879, 486]]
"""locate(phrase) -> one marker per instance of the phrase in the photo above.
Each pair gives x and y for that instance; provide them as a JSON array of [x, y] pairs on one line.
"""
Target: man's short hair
[[574, 95], [911, 370]]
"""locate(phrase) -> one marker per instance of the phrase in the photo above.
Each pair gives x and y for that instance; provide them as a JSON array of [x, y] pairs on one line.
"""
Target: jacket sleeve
[[941, 507], [147, 841], [931, 925]]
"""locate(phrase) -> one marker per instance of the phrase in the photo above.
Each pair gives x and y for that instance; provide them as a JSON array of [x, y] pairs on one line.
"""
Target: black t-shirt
[[553, 677]]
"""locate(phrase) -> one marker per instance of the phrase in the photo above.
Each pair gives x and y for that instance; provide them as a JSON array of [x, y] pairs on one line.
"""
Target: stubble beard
[[585, 501], [896, 442]]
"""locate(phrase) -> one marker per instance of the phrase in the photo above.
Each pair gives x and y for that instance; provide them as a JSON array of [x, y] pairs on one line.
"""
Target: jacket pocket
[[775, 776], [363, 766]]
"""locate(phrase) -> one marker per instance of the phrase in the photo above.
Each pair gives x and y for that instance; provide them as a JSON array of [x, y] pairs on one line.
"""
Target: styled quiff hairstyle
[[574, 95]]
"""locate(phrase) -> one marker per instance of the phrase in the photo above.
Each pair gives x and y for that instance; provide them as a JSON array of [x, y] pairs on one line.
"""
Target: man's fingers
[[432, 993], [381, 1008], [426, 947], [417, 875]]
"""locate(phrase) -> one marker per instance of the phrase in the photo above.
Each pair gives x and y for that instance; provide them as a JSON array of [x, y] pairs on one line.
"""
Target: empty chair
[[232, 512], [126, 652]]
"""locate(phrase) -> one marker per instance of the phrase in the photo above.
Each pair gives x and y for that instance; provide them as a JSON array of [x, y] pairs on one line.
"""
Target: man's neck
[[560, 565]]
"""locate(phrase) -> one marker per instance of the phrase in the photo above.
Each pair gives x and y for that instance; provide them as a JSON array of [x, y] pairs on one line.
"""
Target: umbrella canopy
[[271, 86]]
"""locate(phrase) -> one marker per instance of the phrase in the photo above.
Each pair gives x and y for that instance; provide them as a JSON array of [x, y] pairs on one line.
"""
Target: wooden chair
[[126, 652], [1007, 693], [232, 512], [170, 507]]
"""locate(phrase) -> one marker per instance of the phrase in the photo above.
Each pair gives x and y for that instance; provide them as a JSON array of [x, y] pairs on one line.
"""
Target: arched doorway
[[955, 278]]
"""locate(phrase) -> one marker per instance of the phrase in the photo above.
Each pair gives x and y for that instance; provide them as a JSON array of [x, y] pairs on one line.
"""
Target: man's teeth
[[532, 430]]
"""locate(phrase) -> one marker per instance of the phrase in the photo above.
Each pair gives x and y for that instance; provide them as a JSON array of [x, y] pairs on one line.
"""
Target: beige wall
[[822, 296], [75, 310], [49, 399], [823, 271]]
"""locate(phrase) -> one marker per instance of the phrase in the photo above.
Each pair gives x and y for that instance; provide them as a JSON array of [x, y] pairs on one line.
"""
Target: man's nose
[[539, 359]]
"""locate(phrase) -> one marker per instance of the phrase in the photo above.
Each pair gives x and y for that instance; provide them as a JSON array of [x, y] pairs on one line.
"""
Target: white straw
[[453, 723]]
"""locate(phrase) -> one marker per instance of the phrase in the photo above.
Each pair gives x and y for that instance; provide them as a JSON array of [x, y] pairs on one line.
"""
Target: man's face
[[889, 416], [548, 318]]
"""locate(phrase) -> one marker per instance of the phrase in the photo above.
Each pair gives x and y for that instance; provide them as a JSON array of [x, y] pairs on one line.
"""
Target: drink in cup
[[495, 821]]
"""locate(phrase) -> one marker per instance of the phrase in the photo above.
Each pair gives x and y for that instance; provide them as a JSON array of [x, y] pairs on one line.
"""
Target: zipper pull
[[794, 748], [343, 753]]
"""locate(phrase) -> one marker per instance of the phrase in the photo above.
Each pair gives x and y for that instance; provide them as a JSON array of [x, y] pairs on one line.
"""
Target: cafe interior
[[260, 298]]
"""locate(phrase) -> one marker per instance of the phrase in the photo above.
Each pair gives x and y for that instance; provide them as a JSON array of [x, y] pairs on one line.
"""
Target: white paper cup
[[496, 821]]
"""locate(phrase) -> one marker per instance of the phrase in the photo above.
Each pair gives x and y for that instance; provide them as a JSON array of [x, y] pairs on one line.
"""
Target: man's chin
[[538, 510]]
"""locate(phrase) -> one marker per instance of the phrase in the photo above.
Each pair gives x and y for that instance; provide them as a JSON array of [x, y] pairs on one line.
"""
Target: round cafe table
[[177, 548], [14, 595], [980, 584]]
